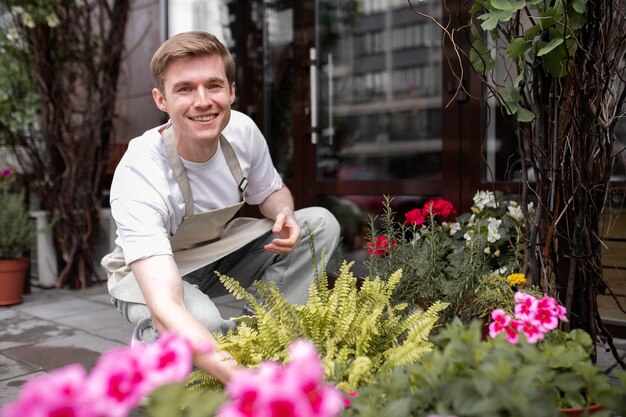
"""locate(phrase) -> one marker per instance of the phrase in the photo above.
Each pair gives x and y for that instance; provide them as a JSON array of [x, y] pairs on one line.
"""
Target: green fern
[[357, 331]]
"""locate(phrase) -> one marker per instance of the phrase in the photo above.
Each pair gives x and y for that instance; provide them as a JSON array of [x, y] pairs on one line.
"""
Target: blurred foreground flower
[[118, 382], [296, 389]]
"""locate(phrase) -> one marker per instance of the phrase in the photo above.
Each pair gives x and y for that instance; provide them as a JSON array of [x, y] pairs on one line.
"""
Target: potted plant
[[17, 232]]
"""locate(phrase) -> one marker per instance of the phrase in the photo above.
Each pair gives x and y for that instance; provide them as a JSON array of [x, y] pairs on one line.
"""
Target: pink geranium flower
[[57, 394], [533, 318], [167, 360], [500, 322], [525, 305], [120, 379], [293, 390], [533, 333]]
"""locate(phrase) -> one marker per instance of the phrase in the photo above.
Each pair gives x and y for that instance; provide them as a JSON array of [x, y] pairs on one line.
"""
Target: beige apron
[[201, 239]]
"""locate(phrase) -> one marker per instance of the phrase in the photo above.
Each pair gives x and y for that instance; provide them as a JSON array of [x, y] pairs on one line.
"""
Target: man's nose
[[202, 98]]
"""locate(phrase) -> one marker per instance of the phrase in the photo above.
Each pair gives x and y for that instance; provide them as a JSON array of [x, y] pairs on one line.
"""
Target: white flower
[[487, 250], [484, 199], [13, 34], [28, 21], [492, 229], [468, 235], [52, 20], [454, 227], [515, 212], [17, 9], [496, 253]]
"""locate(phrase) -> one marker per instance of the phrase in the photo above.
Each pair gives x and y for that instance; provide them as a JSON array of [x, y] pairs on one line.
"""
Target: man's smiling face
[[197, 97]]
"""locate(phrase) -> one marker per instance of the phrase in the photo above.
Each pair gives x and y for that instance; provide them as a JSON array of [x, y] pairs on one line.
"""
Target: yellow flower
[[516, 279]]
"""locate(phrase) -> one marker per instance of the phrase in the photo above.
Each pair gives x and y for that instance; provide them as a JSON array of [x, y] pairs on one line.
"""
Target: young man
[[175, 193]]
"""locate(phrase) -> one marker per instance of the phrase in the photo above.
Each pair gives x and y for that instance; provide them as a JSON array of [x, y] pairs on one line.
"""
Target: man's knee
[[319, 221]]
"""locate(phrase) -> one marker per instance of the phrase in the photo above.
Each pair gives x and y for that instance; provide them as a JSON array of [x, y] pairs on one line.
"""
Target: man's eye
[[184, 89]]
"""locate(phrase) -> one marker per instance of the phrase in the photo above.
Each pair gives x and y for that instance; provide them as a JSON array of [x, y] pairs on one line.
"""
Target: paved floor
[[52, 328]]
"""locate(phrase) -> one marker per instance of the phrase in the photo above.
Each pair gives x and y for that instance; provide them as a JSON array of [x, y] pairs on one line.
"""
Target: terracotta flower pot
[[12, 275], [578, 412]]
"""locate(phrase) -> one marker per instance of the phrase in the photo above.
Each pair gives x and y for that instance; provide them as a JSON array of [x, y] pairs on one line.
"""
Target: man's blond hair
[[188, 45]]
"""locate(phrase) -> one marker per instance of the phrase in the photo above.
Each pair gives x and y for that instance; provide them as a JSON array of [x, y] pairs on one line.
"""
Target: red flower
[[415, 216], [381, 246], [441, 209]]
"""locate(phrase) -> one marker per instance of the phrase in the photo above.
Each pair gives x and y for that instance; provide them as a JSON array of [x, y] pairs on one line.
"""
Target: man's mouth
[[203, 118]]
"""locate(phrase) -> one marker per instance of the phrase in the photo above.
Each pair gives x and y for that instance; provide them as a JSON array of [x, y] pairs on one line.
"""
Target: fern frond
[[234, 287], [359, 370], [202, 381]]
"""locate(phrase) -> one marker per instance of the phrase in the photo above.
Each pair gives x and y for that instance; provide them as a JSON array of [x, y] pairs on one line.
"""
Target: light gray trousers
[[292, 272]]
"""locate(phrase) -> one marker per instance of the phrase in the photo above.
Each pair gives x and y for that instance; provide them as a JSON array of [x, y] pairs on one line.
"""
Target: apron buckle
[[243, 184]]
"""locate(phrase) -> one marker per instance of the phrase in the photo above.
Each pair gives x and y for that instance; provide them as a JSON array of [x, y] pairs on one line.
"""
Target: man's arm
[[161, 285], [278, 206]]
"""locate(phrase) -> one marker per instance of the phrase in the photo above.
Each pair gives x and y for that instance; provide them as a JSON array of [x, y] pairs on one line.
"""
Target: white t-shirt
[[146, 201]]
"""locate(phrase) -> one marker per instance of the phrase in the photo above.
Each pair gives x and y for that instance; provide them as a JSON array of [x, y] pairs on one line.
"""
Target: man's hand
[[279, 206], [288, 231]]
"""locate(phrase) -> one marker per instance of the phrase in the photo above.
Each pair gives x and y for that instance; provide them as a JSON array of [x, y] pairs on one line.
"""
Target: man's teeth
[[203, 118]]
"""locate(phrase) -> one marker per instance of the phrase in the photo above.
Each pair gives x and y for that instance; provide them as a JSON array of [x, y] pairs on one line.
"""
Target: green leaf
[[579, 5], [517, 47], [550, 46], [533, 31], [524, 116], [480, 57], [501, 4], [509, 98], [491, 20], [398, 408]]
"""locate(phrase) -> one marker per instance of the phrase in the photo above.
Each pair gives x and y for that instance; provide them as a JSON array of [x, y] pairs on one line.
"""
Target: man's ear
[[159, 99], [232, 93]]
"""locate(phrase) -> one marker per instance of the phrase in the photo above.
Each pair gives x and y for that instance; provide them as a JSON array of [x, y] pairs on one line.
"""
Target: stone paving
[[52, 328]]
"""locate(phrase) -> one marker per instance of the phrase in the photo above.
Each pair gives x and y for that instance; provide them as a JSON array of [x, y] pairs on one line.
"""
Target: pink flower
[[296, 389], [415, 216], [118, 381], [544, 319], [6, 172], [167, 360], [59, 393], [525, 305], [533, 333], [381, 246], [346, 399], [500, 322], [534, 318], [512, 331]]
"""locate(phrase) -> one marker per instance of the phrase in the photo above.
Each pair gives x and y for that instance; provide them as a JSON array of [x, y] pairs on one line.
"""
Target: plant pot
[[578, 412], [12, 275]]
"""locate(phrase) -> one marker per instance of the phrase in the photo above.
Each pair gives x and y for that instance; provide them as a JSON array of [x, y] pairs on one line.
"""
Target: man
[[175, 193]]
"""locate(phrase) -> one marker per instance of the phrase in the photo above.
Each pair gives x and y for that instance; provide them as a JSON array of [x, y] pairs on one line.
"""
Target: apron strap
[[179, 170], [233, 164], [181, 174]]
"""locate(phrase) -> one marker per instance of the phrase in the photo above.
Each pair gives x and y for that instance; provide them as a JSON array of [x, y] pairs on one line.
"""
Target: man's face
[[197, 97]]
